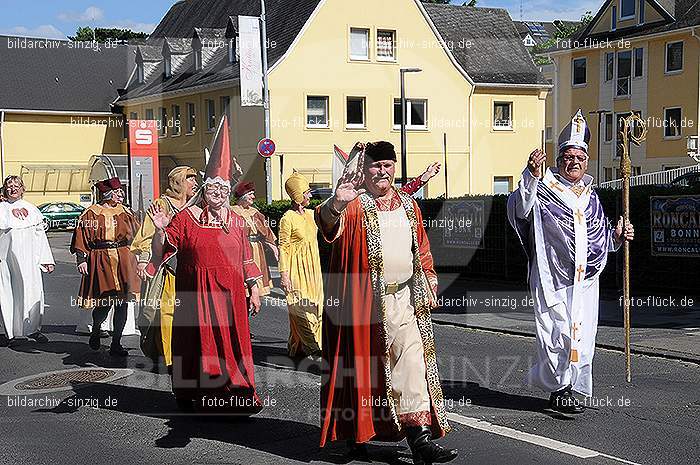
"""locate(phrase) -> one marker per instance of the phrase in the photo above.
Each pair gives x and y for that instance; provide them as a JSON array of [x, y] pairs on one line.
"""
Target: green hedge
[[503, 259]]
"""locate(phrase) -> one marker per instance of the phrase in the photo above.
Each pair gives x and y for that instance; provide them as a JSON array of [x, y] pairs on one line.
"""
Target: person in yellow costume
[[300, 270], [158, 292]]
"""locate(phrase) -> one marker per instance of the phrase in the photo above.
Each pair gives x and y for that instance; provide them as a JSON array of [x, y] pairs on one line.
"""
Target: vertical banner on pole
[[250, 61], [143, 160]]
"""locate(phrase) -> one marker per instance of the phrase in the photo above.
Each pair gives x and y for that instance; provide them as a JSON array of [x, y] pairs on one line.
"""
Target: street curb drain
[[62, 380]]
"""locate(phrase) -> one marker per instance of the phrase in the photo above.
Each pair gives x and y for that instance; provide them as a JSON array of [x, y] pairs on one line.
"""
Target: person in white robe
[[567, 237], [24, 255]]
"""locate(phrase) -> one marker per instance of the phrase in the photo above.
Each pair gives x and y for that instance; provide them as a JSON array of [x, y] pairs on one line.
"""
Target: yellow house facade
[[335, 80], [55, 114], [634, 56]]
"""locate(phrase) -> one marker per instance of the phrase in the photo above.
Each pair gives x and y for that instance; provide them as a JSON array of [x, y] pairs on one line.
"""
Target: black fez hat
[[380, 151]]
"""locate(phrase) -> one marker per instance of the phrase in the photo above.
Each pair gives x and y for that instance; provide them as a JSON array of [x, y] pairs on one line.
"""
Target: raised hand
[[626, 233], [535, 162], [430, 171], [160, 218], [346, 193]]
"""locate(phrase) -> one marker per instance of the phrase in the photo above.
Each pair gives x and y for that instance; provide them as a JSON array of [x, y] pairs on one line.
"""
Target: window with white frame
[[191, 118], [359, 43], [355, 112], [211, 115], [503, 115], [386, 45], [317, 111], [578, 73], [624, 73], [674, 57], [609, 66], [140, 75], [176, 120], [627, 9], [672, 122], [529, 41], [416, 113], [613, 18], [149, 114], [641, 11]]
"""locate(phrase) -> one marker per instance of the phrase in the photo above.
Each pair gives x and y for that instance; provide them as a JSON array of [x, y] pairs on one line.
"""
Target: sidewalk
[[666, 326]]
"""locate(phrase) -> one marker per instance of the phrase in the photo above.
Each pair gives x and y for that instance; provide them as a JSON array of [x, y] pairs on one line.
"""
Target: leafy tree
[[100, 34], [563, 32]]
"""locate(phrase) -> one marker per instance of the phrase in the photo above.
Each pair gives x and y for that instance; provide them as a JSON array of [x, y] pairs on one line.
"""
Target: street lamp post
[[599, 112], [266, 99], [404, 170]]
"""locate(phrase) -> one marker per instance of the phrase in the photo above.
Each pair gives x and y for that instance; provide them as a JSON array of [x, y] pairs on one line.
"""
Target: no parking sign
[[266, 147]]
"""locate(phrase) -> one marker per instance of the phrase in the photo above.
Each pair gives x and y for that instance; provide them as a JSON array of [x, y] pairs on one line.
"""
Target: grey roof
[[63, 77], [485, 43], [677, 14], [210, 18]]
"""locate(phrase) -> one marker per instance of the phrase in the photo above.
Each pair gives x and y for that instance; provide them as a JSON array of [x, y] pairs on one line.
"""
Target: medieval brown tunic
[[258, 232], [102, 238]]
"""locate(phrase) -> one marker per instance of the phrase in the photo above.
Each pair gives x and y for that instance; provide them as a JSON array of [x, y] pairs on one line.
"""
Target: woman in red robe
[[212, 354]]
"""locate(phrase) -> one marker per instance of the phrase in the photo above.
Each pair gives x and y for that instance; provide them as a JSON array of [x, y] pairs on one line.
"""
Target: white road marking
[[542, 441]]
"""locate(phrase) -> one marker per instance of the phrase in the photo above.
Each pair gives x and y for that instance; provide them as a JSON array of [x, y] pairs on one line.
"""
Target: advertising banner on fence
[[143, 161], [463, 226], [250, 61], [675, 226]]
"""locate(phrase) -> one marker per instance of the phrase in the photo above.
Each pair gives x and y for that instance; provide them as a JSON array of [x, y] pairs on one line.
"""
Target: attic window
[[168, 67], [529, 42], [641, 11], [198, 59], [140, 77], [627, 9], [232, 50]]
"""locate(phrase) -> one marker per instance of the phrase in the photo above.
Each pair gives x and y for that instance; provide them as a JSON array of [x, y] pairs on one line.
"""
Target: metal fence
[[649, 179]]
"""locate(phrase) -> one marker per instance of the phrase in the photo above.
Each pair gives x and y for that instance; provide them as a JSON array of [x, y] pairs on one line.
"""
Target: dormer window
[[641, 11], [140, 75], [232, 50], [168, 66], [198, 60]]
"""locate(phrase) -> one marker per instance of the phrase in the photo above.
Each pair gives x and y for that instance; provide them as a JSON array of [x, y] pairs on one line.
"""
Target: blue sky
[[59, 18]]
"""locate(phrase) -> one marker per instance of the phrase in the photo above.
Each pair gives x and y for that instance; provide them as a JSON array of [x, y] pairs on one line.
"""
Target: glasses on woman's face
[[218, 189]]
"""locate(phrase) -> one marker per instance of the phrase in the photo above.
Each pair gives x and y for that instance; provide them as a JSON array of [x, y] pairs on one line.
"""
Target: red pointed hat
[[219, 165], [109, 185]]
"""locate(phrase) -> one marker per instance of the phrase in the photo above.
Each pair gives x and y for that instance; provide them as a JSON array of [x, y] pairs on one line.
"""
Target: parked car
[[61, 215], [687, 180]]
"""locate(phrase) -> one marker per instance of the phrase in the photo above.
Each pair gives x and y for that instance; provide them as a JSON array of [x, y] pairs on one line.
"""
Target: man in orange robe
[[381, 379]]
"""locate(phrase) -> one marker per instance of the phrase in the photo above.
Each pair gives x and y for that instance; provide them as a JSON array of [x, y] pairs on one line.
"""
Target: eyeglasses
[[578, 158], [211, 188]]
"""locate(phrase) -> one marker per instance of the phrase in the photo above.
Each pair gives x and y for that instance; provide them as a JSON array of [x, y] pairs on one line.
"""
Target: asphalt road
[[495, 418]]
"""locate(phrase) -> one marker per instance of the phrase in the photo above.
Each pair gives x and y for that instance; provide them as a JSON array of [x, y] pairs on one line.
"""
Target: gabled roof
[[61, 75], [542, 31], [677, 14], [210, 19], [485, 43]]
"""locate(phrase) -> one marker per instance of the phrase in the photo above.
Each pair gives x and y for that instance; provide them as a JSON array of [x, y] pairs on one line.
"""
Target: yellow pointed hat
[[295, 186]]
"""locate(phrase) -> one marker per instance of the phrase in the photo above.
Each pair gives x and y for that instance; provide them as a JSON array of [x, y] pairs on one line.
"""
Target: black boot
[[563, 401], [4, 341], [357, 451], [425, 451]]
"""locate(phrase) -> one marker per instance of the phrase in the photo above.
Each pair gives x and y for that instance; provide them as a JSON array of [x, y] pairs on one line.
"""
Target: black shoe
[[39, 337], [358, 451], [4, 341], [425, 451], [16, 341], [94, 341], [118, 351], [563, 401]]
